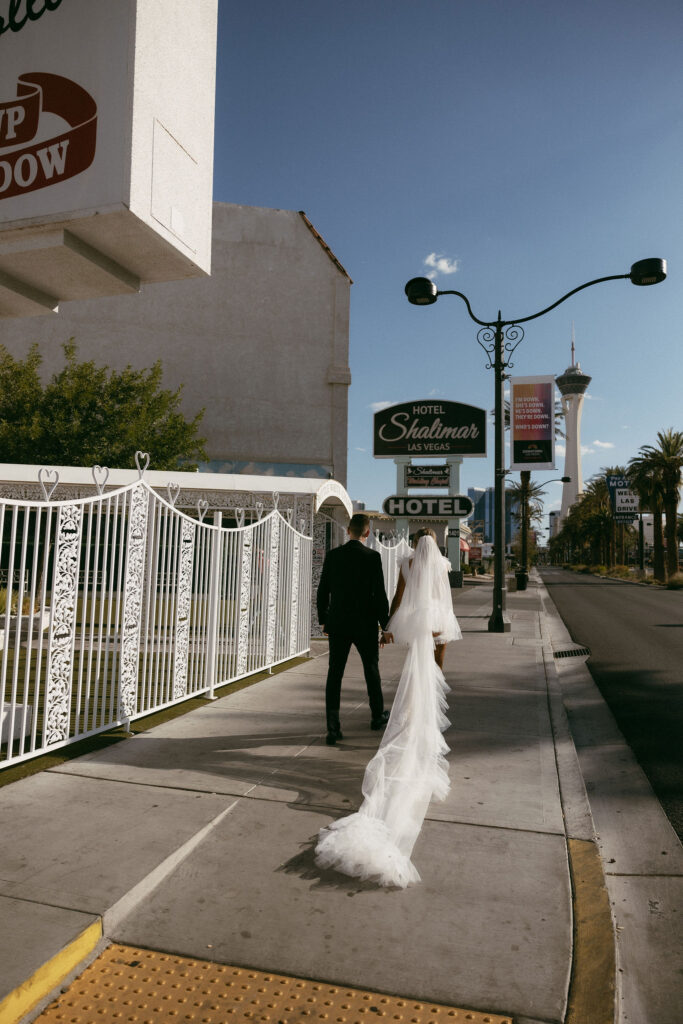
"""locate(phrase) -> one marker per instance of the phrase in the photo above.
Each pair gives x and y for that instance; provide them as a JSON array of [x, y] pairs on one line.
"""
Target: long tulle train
[[408, 770]]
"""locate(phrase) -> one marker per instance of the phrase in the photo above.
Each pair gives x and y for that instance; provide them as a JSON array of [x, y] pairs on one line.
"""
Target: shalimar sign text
[[17, 12], [430, 428]]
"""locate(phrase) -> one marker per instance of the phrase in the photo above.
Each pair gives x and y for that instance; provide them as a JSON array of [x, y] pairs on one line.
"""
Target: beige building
[[262, 345]]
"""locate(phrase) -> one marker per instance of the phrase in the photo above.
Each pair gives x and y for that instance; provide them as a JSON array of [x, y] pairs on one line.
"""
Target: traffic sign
[[451, 506]]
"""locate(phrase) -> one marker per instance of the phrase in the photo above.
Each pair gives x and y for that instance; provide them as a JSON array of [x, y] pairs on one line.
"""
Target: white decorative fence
[[118, 605], [392, 555]]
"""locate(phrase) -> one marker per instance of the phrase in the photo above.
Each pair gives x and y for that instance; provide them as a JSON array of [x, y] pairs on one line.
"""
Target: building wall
[[484, 514], [262, 344]]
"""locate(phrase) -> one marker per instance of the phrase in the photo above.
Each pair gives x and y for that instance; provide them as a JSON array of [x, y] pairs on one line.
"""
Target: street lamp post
[[499, 338], [522, 574]]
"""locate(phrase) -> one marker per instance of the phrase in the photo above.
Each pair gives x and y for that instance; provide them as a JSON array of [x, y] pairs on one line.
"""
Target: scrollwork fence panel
[[392, 554], [120, 605]]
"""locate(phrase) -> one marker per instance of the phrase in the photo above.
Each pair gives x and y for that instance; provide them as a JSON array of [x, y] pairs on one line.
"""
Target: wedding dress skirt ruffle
[[407, 772]]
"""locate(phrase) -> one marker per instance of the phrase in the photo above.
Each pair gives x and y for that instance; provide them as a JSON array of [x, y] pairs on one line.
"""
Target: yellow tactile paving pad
[[126, 985]]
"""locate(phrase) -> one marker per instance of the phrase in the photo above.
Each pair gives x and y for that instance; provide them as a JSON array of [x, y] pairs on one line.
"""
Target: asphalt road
[[635, 635]]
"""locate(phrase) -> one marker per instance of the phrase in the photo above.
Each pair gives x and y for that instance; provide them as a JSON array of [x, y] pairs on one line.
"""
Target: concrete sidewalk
[[197, 838]]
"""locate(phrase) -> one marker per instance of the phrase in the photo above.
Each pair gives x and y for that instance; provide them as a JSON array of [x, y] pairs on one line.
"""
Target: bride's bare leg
[[439, 654]]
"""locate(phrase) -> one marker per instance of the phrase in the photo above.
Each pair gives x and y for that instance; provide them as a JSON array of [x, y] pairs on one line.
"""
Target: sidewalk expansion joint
[[497, 828], [642, 874], [148, 785], [127, 903], [131, 983]]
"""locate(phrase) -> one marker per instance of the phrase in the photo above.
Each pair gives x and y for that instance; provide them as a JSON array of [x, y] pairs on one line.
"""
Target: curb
[[593, 980], [27, 996]]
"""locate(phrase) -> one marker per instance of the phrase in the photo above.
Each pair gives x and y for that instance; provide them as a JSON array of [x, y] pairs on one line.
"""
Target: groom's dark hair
[[359, 524]]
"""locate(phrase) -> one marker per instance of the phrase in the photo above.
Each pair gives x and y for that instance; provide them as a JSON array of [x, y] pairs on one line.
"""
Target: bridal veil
[[409, 768]]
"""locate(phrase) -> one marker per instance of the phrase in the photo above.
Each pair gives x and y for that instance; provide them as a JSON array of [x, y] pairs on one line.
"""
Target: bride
[[409, 768]]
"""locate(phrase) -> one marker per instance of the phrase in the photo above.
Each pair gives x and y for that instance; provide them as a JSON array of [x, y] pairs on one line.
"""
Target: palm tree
[[668, 458], [598, 519], [644, 475], [617, 529], [527, 497]]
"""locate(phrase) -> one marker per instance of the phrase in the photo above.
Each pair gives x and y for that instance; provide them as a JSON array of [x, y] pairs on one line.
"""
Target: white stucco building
[[262, 344]]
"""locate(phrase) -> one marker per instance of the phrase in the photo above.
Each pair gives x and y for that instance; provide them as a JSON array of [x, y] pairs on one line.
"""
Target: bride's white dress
[[409, 768]]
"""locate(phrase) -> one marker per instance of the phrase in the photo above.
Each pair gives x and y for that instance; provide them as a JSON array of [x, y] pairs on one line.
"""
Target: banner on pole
[[532, 422]]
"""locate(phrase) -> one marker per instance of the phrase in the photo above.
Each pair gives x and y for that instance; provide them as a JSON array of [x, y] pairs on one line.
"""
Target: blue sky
[[530, 146]]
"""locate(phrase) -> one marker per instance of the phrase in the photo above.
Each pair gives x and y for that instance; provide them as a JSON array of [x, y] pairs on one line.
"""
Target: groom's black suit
[[352, 602]]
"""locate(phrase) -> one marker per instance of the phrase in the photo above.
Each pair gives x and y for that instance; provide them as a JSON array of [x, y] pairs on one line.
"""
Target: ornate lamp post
[[499, 339]]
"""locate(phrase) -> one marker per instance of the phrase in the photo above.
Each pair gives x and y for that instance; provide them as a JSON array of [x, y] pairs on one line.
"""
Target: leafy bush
[[621, 572]]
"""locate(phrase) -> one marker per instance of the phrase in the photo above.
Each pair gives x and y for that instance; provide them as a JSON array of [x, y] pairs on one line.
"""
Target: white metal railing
[[118, 605], [392, 555]]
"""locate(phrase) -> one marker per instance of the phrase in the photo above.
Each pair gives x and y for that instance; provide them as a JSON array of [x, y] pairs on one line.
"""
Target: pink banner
[[532, 422]]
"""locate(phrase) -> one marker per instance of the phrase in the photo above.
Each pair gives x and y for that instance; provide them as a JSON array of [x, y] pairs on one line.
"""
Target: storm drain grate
[[573, 653]]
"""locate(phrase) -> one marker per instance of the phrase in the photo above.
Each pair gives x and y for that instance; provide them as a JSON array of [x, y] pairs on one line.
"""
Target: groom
[[352, 602]]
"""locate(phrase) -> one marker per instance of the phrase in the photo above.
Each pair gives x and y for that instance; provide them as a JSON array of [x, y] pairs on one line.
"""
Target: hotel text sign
[[430, 428], [455, 506]]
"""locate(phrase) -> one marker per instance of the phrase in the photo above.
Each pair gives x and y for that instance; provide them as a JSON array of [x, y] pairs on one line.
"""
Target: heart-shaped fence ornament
[[276, 499], [202, 506], [239, 516], [142, 462], [302, 526], [289, 512], [100, 475], [173, 490], [259, 510], [46, 477]]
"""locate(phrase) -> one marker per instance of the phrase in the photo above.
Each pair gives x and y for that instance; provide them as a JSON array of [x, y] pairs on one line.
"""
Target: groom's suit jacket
[[351, 594]]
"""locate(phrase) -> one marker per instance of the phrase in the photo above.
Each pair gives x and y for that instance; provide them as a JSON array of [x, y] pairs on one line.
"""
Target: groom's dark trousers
[[352, 605]]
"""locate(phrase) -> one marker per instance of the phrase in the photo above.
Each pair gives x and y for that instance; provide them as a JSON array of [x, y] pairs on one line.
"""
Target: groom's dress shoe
[[379, 723], [334, 733]]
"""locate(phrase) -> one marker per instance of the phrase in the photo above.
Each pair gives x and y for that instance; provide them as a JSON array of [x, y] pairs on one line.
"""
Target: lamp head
[[648, 272], [421, 291]]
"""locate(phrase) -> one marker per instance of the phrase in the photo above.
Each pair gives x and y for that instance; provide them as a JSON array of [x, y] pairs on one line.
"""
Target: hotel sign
[[106, 147], [39, 164], [454, 506], [625, 504], [425, 427]]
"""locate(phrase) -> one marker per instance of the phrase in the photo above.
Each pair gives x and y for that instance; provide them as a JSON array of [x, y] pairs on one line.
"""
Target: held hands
[[386, 638]]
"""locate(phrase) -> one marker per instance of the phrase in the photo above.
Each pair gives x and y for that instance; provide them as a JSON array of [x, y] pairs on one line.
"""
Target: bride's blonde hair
[[424, 532]]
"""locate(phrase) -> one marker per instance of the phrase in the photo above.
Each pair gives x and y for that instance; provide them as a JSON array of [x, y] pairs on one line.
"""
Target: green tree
[[644, 475], [90, 415], [526, 498], [668, 459], [617, 533]]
